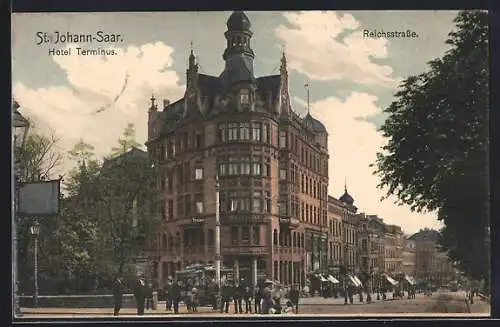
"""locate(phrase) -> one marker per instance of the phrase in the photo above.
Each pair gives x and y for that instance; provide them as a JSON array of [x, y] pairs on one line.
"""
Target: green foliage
[[126, 142], [436, 157], [127, 202]]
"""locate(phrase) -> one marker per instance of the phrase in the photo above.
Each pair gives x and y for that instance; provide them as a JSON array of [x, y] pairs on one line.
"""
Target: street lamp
[[35, 231], [345, 274], [21, 126]]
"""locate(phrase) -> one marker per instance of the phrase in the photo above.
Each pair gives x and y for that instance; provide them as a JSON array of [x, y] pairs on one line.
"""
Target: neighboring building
[[393, 249], [409, 265], [272, 166], [431, 263], [350, 222], [335, 234], [371, 243]]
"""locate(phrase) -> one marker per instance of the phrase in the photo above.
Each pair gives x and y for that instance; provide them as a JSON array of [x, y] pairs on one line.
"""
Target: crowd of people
[[267, 297]]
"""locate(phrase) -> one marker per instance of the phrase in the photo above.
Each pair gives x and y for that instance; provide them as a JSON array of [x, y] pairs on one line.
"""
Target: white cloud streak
[[316, 46]]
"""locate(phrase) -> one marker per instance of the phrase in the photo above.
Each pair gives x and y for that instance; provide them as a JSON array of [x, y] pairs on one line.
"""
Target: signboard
[[197, 220], [39, 198]]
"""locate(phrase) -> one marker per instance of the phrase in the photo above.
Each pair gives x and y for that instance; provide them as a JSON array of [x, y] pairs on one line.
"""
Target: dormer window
[[244, 97]]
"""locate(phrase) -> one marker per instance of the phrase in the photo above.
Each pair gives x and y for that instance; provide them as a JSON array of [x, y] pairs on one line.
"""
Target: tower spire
[[308, 96], [153, 100], [345, 184]]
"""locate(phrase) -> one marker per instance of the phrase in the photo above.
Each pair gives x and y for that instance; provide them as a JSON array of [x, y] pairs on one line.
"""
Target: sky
[[352, 78]]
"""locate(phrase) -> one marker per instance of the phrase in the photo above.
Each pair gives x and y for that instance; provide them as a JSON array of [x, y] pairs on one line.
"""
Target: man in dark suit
[[140, 295], [237, 296], [176, 296], [257, 298], [225, 296], [117, 295], [247, 297]]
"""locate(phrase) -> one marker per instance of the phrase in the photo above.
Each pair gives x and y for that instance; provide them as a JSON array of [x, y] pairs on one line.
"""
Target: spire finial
[[191, 46], [345, 184], [153, 99], [307, 89]]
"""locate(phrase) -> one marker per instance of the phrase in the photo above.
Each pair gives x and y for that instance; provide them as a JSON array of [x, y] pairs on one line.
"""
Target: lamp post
[[21, 126], [345, 273], [35, 231]]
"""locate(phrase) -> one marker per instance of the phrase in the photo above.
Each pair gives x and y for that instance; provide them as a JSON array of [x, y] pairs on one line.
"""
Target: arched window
[[275, 237]]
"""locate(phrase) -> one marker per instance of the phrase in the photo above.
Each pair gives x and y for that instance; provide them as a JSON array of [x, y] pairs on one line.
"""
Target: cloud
[[315, 46], [122, 84], [353, 143]]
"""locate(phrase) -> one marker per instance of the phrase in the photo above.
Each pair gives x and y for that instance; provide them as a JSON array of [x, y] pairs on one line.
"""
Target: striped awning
[[355, 280], [410, 280], [358, 281], [391, 280], [333, 279]]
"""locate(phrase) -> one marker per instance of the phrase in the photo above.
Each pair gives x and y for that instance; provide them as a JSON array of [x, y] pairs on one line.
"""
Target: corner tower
[[238, 54]]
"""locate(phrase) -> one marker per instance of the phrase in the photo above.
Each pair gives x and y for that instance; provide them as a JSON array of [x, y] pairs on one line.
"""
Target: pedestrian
[[257, 299], [168, 294], [117, 295], [140, 295], [247, 297], [277, 299], [237, 297], [267, 297], [214, 290], [294, 297], [176, 296], [149, 296], [225, 296]]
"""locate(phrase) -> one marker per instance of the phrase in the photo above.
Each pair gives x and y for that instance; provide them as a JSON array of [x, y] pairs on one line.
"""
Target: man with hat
[[175, 295], [225, 292], [168, 294], [117, 295], [140, 294], [237, 297], [257, 298]]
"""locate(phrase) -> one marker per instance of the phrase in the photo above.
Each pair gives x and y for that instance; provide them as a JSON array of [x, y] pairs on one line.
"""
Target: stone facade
[[272, 166]]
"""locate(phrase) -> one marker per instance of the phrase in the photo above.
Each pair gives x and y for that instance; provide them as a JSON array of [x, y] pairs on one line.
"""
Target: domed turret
[[238, 21], [346, 197]]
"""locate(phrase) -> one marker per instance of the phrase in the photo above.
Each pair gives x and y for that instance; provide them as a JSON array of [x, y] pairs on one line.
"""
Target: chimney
[[166, 102]]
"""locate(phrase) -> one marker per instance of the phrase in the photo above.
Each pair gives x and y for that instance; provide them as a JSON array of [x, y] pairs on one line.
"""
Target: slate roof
[[425, 235], [239, 68], [238, 21], [314, 124]]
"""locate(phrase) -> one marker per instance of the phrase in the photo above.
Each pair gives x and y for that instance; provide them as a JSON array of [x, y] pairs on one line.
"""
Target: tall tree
[[38, 161], [127, 203], [39, 157], [437, 152], [126, 142]]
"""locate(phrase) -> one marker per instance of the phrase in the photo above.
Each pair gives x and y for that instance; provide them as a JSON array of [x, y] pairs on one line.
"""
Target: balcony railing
[[240, 249]]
